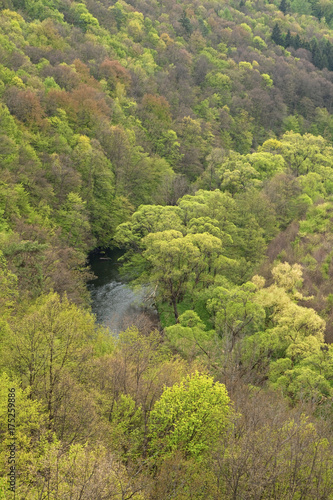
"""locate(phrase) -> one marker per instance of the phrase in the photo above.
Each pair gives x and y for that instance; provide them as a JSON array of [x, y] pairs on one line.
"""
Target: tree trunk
[[175, 310]]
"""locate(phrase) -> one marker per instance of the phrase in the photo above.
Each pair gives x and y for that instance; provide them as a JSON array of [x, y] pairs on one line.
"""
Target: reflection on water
[[114, 302]]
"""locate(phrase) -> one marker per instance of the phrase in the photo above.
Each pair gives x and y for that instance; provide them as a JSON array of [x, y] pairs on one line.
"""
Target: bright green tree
[[180, 263], [235, 312], [29, 424], [190, 336], [190, 416], [48, 344]]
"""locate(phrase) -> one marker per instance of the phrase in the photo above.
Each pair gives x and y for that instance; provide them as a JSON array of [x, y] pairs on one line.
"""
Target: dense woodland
[[197, 137]]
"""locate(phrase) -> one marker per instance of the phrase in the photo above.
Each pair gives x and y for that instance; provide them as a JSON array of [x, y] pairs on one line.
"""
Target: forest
[[197, 138]]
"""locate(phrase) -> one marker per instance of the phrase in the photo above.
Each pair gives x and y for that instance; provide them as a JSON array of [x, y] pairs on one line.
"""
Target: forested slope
[[197, 137]]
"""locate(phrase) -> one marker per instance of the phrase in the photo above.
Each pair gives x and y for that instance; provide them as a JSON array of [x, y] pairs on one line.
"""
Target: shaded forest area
[[197, 137]]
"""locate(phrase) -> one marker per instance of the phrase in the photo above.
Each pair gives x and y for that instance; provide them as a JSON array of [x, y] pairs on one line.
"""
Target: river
[[115, 304]]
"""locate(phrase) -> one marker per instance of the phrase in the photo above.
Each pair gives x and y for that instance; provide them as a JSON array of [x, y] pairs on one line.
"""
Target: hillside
[[196, 137]]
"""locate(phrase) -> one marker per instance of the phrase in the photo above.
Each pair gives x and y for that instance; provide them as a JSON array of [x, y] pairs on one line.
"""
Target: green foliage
[[237, 175], [55, 331], [317, 219], [180, 263], [83, 17], [30, 428], [190, 416], [189, 136], [189, 336], [8, 287], [235, 312], [74, 221]]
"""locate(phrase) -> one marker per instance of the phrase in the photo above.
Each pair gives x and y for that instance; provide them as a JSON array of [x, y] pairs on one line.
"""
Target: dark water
[[115, 304]]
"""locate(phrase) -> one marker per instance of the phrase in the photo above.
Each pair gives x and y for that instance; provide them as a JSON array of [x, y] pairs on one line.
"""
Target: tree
[[289, 329], [237, 175], [25, 258], [283, 191], [25, 105], [189, 417], [79, 471], [276, 35], [273, 451], [180, 263], [213, 204], [46, 346], [193, 146], [283, 6], [128, 382], [241, 131], [185, 479], [288, 39], [147, 219], [304, 153], [235, 313], [168, 147], [189, 336], [29, 426], [114, 73], [73, 219], [266, 164], [9, 290], [186, 23]]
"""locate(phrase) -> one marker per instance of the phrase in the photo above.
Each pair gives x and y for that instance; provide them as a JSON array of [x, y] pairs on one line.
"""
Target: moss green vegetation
[[198, 138]]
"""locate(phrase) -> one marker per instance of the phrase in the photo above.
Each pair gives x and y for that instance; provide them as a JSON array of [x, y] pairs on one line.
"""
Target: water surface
[[115, 304]]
